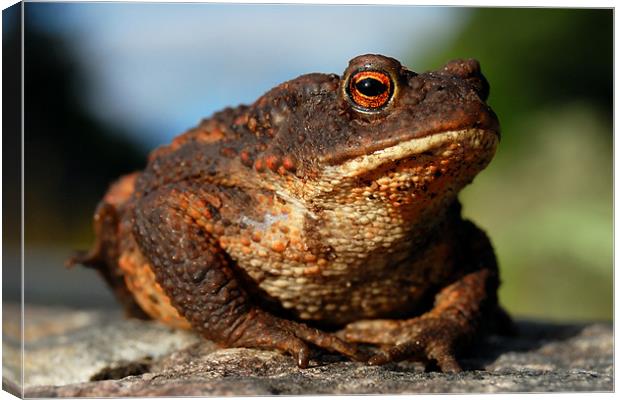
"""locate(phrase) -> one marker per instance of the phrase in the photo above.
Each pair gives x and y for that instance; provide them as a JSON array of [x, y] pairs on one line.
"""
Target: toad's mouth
[[475, 145], [413, 135]]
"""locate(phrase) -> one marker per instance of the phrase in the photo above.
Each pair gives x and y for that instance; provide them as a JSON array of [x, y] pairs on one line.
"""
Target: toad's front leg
[[172, 227], [455, 318]]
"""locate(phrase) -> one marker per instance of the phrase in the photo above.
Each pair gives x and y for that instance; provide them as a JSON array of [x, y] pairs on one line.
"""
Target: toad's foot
[[425, 338], [263, 330]]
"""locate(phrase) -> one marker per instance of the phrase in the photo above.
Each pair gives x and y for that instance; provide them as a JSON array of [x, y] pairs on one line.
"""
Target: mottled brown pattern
[[317, 207]]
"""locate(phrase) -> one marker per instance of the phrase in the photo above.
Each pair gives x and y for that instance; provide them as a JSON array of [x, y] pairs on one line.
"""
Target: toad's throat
[[482, 142]]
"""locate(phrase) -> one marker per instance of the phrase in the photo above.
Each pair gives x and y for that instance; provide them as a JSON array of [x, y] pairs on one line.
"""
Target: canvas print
[[235, 199]]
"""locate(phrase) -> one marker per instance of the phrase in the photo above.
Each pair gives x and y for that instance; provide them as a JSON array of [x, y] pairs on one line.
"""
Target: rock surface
[[100, 354]]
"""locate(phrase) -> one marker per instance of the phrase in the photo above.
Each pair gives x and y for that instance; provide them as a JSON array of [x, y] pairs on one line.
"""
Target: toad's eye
[[370, 90]]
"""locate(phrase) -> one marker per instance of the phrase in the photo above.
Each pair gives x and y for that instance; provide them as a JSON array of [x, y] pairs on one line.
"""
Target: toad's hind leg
[[105, 252], [173, 228]]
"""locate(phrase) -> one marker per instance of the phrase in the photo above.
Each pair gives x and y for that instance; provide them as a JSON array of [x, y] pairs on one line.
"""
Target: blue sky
[[159, 68]]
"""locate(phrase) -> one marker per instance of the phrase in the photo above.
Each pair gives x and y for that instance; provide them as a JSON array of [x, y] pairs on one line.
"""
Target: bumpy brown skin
[[306, 210]]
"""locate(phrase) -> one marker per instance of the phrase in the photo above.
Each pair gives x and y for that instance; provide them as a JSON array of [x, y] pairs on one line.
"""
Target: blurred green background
[[546, 199]]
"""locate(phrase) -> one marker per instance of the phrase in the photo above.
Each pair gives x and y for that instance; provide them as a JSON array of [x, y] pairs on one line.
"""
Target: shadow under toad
[[528, 336]]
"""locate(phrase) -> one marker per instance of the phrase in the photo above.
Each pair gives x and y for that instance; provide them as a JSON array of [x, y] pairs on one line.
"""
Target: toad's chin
[[475, 145]]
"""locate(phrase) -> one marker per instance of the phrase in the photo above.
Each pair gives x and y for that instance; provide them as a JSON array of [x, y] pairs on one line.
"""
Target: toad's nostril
[[437, 94]]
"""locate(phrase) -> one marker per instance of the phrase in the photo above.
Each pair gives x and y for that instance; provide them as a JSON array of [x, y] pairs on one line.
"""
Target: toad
[[324, 215]]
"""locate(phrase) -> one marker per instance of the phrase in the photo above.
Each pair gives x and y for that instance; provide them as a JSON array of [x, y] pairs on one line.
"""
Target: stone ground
[[93, 353]]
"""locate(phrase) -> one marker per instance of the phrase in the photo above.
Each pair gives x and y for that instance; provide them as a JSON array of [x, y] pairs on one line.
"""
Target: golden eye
[[370, 90]]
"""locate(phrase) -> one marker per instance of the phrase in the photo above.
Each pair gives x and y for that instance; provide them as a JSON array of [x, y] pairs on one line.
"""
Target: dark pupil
[[370, 87]]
